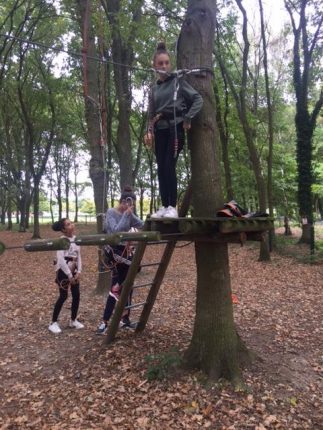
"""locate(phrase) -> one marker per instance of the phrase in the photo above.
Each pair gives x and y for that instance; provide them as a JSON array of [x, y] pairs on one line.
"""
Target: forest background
[[74, 80]]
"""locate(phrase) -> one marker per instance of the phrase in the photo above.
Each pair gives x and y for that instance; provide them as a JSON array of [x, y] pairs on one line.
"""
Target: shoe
[[76, 324], [171, 212], [126, 323], [160, 213], [102, 329], [54, 328]]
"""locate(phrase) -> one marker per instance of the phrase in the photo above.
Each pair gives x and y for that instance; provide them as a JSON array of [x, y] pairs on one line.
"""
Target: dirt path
[[72, 381]]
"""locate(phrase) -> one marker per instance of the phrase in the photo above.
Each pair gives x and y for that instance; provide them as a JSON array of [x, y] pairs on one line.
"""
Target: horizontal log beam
[[98, 239], [61, 243], [141, 236]]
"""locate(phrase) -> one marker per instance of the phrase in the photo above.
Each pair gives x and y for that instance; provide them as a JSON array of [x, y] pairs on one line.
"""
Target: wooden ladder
[[153, 286]]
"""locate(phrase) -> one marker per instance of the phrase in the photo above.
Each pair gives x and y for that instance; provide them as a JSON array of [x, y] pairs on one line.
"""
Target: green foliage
[[162, 366], [55, 23], [87, 206]]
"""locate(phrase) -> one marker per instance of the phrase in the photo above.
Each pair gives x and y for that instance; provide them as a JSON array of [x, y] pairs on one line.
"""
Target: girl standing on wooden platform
[[68, 272], [121, 218], [172, 105]]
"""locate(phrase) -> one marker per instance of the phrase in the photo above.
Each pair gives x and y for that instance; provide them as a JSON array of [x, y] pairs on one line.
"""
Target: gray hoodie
[[161, 101]]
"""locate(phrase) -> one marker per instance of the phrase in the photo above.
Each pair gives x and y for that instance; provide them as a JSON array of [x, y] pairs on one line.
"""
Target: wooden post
[[104, 277]]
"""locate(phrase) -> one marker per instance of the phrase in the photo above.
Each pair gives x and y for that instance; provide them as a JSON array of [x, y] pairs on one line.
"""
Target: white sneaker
[[54, 328], [171, 212], [76, 324], [160, 213]]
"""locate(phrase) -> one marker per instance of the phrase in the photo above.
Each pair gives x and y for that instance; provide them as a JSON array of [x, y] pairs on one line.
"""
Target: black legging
[[63, 294], [166, 162], [119, 275]]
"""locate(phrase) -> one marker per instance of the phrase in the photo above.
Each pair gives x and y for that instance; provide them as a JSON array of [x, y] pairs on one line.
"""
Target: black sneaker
[[126, 323]]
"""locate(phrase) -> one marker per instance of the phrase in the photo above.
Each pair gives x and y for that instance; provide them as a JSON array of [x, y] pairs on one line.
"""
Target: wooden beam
[[61, 243]]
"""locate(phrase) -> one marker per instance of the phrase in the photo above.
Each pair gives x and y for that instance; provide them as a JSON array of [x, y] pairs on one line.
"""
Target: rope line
[[178, 73]]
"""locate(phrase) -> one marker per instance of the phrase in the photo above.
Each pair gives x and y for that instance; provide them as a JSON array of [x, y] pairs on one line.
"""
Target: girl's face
[[69, 228], [162, 62]]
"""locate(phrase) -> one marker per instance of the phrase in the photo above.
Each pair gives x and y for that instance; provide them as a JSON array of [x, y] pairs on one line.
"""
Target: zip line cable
[[75, 54], [178, 73]]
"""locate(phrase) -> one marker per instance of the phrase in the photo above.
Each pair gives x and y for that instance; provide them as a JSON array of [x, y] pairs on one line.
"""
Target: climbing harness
[[177, 75]]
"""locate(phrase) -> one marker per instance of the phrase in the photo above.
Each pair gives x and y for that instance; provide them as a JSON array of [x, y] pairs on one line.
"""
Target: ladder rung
[[143, 285], [136, 305], [150, 264]]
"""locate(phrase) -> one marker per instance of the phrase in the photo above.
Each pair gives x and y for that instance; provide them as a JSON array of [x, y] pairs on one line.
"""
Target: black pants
[[61, 279], [166, 162], [119, 275]]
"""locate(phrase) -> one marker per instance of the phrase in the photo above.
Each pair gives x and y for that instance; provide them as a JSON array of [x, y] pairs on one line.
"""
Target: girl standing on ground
[[68, 271], [170, 112], [121, 218]]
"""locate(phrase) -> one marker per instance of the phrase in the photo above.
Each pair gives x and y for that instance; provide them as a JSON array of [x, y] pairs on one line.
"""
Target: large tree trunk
[[215, 345]]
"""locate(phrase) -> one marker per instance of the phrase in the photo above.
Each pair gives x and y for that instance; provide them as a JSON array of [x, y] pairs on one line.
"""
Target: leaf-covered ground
[[72, 381]]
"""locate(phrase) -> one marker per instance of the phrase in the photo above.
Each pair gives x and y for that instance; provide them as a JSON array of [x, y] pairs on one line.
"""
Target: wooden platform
[[171, 231], [217, 229]]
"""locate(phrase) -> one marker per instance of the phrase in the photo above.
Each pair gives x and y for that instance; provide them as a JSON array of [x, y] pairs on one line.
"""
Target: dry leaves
[[71, 381]]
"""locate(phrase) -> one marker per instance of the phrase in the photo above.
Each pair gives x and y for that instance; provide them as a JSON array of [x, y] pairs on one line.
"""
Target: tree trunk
[[288, 231], [215, 346], [76, 197], [222, 122], [67, 202], [122, 53], [9, 212], [92, 105], [320, 207], [36, 232], [3, 215], [271, 234]]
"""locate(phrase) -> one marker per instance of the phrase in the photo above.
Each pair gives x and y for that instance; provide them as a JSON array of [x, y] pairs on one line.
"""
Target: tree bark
[[92, 105], [271, 233], [215, 346], [122, 53]]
